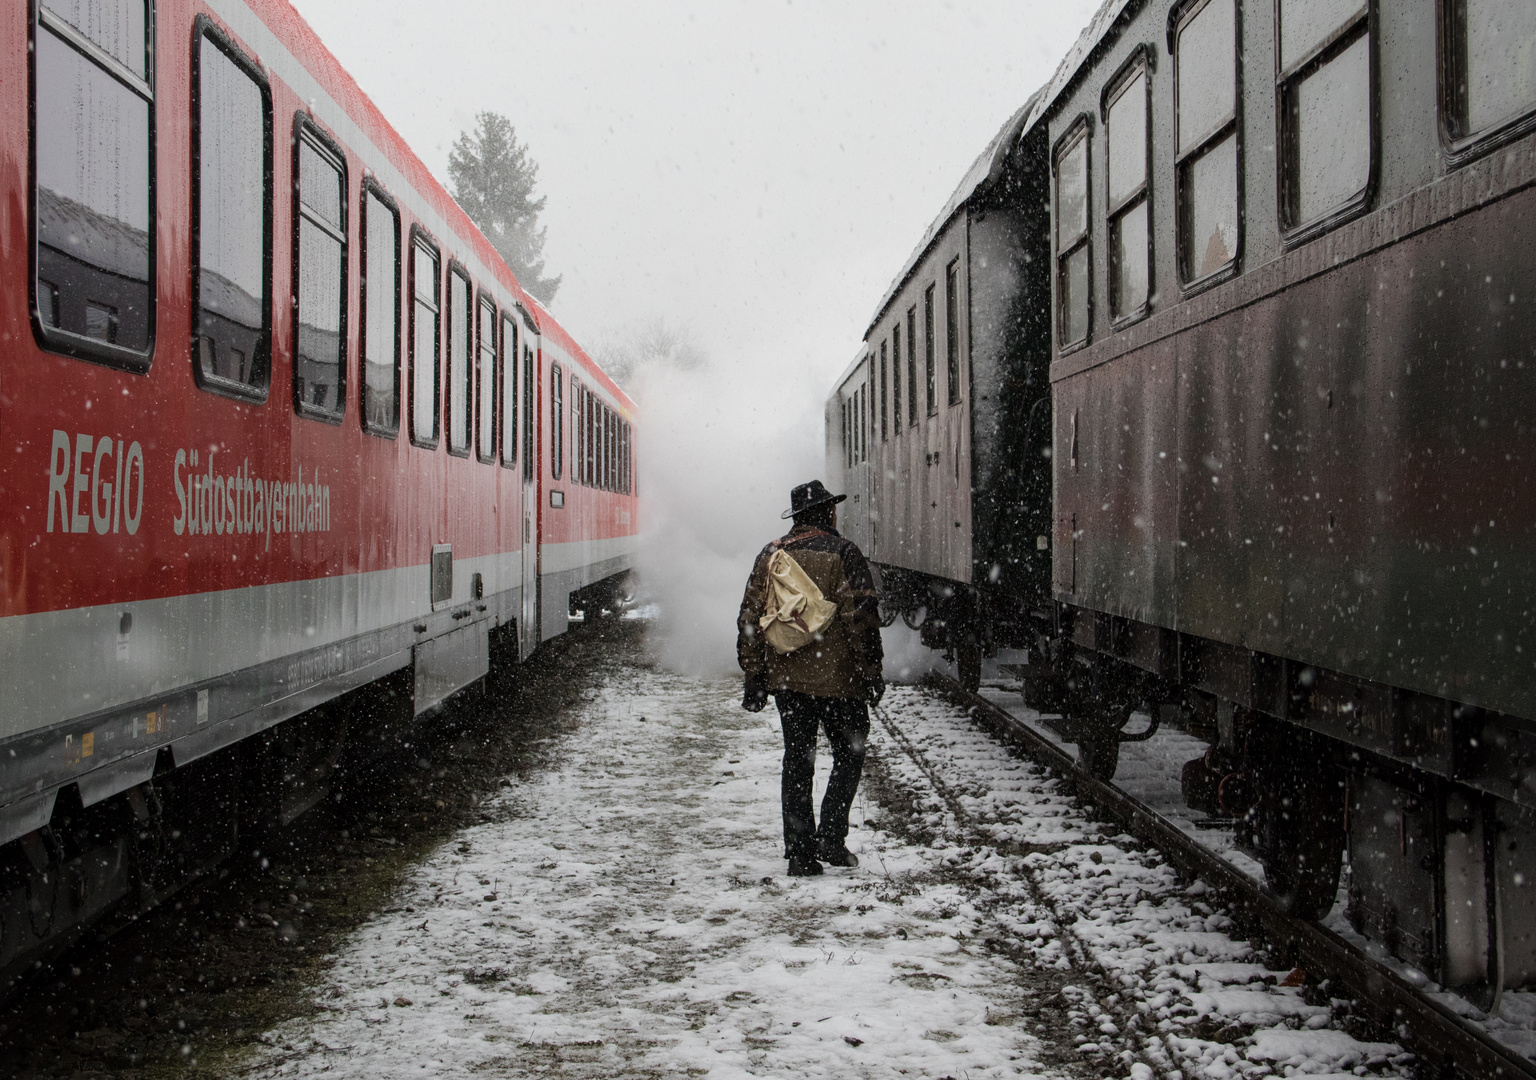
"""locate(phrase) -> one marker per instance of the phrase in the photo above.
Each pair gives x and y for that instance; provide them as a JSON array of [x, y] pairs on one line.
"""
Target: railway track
[[1448, 1044], [1121, 1012]]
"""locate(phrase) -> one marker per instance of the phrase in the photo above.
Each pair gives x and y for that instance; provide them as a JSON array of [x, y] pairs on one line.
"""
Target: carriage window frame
[[605, 456], [577, 392], [952, 330], [306, 130], [930, 357], [247, 393], [482, 302], [53, 338], [507, 419], [1179, 17], [458, 270], [556, 422], [843, 408], [1078, 133], [896, 377], [372, 190], [1461, 146], [1141, 63], [528, 401], [912, 366], [589, 440], [1288, 78], [885, 395], [422, 239]]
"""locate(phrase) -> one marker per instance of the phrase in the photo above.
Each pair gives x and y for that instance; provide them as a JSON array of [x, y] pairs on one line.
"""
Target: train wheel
[[1302, 838], [1099, 755]]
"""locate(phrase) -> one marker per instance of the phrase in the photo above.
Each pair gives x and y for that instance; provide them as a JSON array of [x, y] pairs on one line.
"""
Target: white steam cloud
[[718, 450]]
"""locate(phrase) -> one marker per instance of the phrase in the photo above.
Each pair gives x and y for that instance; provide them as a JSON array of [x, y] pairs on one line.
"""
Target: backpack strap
[[782, 542]]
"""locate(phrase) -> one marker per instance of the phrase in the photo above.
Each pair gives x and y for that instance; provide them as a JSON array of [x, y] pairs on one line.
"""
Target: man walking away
[[809, 634]]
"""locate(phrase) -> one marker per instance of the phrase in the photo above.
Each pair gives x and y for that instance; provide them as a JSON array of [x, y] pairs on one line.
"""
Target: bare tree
[[651, 344], [493, 180]]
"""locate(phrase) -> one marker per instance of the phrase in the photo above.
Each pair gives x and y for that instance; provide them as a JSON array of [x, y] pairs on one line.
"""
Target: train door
[[528, 621]]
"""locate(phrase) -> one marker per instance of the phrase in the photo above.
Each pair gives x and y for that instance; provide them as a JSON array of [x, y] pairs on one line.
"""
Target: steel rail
[[1446, 1041]]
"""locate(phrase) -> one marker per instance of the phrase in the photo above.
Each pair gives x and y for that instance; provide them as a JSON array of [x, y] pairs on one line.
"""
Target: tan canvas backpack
[[797, 612]]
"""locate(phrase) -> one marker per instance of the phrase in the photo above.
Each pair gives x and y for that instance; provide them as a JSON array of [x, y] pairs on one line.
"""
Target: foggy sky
[[755, 173]]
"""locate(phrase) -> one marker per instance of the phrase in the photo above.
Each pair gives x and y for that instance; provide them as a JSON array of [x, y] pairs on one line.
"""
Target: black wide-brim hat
[[805, 496]]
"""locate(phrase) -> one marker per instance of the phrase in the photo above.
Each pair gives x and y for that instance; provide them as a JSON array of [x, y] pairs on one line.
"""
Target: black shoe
[[838, 856], [804, 867]]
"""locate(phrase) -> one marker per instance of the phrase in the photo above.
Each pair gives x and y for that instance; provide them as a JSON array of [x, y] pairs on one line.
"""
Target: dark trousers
[[846, 722]]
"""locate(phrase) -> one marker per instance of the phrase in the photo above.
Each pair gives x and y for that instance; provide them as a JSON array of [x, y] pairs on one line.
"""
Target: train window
[[843, 407], [460, 375], [320, 275], [912, 364], [952, 328], [858, 424], [1325, 110], [589, 441], [896, 376], [528, 415], [1072, 270], [578, 394], [853, 422], [425, 334], [1489, 75], [232, 219], [578, 431], [1205, 107], [1125, 120], [93, 140], [866, 422], [485, 381], [556, 422], [381, 312], [885, 395], [508, 371], [928, 347]]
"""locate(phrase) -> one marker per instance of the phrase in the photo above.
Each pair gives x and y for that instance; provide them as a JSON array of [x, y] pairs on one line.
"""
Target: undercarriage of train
[[1424, 809]]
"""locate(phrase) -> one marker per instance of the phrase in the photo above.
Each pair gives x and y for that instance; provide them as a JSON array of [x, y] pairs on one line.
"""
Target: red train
[[279, 426]]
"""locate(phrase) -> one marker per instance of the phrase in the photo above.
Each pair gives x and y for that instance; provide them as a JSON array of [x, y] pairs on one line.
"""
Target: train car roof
[[853, 365], [989, 163]]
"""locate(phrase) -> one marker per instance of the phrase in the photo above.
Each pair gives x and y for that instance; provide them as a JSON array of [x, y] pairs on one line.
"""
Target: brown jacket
[[848, 655]]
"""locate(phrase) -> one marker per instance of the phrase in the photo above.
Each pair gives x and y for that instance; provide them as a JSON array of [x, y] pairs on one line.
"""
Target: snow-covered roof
[[851, 368], [94, 238], [222, 296], [989, 163]]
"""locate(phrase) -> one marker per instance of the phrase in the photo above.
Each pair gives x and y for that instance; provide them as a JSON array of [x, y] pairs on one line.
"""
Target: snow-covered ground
[[1150, 772], [628, 915]]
